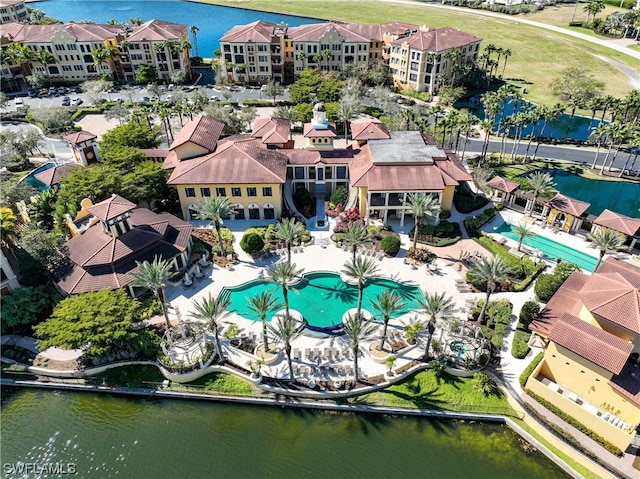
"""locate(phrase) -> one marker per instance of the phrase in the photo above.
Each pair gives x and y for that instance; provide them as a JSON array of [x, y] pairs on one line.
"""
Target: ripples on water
[[110, 436]]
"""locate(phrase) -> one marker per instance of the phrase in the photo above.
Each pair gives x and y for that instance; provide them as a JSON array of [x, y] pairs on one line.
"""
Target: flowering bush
[[333, 212], [348, 218]]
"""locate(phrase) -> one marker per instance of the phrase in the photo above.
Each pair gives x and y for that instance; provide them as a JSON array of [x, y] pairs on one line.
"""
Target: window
[[190, 192], [263, 58], [251, 191], [266, 191], [236, 191], [262, 48], [254, 213], [341, 172], [206, 192], [269, 213], [299, 172], [221, 192]]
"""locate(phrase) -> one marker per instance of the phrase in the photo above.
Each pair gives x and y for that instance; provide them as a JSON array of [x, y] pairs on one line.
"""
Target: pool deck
[[328, 257], [576, 242]]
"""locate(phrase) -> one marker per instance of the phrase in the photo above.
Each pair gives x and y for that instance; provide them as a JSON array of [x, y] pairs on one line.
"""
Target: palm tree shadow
[[339, 291]]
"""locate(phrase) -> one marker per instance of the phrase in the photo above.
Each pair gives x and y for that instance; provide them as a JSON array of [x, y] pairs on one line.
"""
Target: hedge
[[474, 223], [529, 369], [519, 347], [547, 284], [251, 243], [443, 234], [498, 315], [528, 313], [615, 450]]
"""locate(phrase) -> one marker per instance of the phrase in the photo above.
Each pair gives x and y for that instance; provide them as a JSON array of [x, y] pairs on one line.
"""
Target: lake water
[[212, 20], [107, 436], [620, 196]]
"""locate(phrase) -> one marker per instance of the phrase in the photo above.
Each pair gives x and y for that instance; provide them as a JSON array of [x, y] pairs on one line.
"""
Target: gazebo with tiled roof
[[565, 212], [629, 227], [84, 146], [502, 189]]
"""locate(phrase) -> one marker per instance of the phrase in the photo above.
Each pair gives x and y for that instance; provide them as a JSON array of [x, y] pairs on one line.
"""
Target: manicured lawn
[[514, 171], [537, 55], [219, 383], [426, 391], [561, 14]]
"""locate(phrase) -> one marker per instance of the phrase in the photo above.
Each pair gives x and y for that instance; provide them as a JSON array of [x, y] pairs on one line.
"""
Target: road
[[580, 155]]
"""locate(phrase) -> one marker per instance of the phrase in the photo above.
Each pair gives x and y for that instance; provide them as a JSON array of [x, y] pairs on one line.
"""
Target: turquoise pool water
[[620, 196], [552, 249], [322, 297]]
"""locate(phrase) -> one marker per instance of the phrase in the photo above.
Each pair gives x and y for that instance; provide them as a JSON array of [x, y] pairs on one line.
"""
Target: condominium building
[[429, 58], [159, 44], [12, 11], [263, 51]]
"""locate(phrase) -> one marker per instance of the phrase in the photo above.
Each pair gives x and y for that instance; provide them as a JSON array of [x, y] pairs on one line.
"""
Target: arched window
[[254, 211], [239, 212], [193, 211], [269, 211]]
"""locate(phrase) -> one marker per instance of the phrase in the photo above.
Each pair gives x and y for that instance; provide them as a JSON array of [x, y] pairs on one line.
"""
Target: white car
[[19, 102], [76, 101]]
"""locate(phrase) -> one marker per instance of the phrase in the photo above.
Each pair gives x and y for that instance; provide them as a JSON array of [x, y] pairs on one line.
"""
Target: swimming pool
[[31, 179], [323, 297], [552, 249]]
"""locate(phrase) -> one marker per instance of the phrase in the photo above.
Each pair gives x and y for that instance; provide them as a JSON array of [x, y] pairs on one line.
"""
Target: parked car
[[19, 102], [32, 93], [76, 101], [53, 90], [62, 90], [66, 101], [171, 87], [145, 99], [213, 98]]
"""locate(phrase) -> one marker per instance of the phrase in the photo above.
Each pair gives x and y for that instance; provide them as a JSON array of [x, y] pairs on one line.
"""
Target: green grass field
[[537, 55]]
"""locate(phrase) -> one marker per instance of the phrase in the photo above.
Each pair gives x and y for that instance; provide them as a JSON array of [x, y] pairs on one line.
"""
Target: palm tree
[[357, 329], [288, 231], [215, 209], [100, 56], [284, 331], [360, 269], [507, 53], [491, 270], [435, 305], [261, 304], [523, 231], [541, 184], [347, 111], [421, 205], [605, 239], [387, 304], [287, 113], [154, 276], [598, 133], [194, 33], [211, 310], [593, 8], [283, 274], [354, 236]]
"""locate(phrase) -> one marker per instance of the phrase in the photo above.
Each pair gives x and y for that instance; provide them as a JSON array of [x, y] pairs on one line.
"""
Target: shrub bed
[[474, 223], [466, 201], [251, 243], [519, 347], [547, 284], [443, 234], [496, 319]]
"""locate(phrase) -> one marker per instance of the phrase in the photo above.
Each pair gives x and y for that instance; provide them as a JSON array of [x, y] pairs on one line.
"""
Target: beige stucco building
[[590, 370]]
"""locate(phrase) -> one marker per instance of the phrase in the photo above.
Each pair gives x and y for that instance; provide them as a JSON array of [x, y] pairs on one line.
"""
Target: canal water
[[104, 436], [212, 20]]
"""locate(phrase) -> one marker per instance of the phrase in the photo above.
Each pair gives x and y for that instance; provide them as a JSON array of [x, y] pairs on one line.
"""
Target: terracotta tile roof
[[568, 205], [79, 137], [566, 300], [630, 272], [240, 162], [202, 131], [171, 160], [328, 157], [594, 344], [97, 260], [259, 31], [348, 32], [453, 168], [157, 30], [273, 131], [155, 152], [438, 40], [618, 222], [311, 132], [11, 30], [111, 207], [368, 130], [627, 382], [82, 32], [501, 184], [54, 175], [612, 297], [8, 3]]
